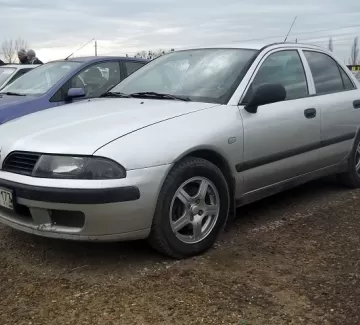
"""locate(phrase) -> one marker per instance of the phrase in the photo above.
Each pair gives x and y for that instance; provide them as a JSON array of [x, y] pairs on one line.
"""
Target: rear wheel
[[351, 177], [192, 209]]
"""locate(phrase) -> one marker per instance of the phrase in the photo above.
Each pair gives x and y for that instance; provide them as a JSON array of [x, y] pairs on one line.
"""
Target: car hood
[[6, 101], [83, 127]]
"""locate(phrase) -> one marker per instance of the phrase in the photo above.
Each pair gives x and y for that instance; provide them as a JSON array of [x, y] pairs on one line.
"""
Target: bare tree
[[8, 51], [354, 51], [151, 54], [331, 46], [141, 54], [11, 47]]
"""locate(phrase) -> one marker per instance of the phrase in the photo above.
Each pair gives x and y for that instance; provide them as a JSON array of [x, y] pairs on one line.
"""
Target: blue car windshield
[[202, 75], [39, 80]]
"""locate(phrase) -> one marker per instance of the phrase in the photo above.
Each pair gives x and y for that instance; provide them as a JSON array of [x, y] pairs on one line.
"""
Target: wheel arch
[[356, 137], [213, 156]]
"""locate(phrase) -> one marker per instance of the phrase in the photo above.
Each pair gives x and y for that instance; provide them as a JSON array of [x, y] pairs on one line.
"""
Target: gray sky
[[56, 28]]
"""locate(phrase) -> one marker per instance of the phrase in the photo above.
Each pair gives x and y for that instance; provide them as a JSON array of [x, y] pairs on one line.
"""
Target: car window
[[325, 71], [346, 80], [283, 68], [17, 75], [41, 79], [5, 73], [97, 79], [202, 75], [132, 66]]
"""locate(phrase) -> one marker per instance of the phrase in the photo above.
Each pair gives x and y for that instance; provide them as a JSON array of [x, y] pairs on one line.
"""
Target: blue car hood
[[6, 101]]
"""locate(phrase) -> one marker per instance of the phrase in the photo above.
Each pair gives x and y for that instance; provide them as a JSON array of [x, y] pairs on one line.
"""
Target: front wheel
[[192, 209]]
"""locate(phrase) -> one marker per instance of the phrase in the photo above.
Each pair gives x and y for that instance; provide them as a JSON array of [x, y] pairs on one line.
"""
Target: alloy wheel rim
[[194, 210]]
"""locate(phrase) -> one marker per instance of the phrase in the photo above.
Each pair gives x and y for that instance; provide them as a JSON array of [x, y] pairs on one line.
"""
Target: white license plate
[[6, 198]]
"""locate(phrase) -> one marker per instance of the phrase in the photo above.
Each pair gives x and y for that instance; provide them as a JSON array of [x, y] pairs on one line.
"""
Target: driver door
[[281, 140], [95, 79]]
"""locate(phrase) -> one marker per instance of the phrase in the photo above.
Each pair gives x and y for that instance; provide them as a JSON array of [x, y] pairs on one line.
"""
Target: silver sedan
[[171, 151]]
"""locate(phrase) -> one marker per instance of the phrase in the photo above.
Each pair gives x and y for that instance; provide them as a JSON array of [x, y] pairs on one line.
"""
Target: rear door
[[339, 103], [281, 139]]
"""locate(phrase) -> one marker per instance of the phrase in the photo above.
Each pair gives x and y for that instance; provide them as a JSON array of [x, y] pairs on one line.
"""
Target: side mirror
[[75, 93], [266, 94]]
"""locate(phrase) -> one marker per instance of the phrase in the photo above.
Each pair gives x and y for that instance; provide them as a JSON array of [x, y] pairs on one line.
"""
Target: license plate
[[6, 198]]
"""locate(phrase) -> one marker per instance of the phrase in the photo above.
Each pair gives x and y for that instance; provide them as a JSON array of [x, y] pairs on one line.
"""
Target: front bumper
[[108, 210]]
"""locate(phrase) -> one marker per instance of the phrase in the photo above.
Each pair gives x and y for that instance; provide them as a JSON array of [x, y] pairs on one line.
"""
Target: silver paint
[[149, 139]]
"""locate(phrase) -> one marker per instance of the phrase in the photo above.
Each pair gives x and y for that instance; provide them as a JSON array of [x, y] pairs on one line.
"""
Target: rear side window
[[328, 76], [132, 66]]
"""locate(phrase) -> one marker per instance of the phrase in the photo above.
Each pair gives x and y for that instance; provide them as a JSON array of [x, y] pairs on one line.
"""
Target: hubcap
[[357, 160], [194, 210]]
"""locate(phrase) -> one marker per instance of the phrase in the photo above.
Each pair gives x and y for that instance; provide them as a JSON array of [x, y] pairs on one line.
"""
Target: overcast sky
[[56, 28]]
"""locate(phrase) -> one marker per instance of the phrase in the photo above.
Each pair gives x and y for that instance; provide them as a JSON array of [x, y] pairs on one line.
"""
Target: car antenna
[[290, 29], [79, 48]]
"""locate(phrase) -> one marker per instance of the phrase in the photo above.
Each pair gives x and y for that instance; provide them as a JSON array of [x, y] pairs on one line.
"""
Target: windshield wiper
[[115, 95], [10, 93], [152, 94]]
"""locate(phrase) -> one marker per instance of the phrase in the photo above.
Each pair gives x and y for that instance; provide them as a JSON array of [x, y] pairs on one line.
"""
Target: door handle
[[356, 103], [310, 113]]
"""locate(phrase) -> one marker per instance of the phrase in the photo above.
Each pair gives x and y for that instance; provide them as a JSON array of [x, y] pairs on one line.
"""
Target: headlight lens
[[66, 167]]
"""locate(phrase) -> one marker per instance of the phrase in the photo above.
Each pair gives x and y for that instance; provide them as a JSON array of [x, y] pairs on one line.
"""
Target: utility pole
[[95, 48]]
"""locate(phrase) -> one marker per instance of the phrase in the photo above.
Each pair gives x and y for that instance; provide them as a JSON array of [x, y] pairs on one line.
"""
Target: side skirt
[[290, 183]]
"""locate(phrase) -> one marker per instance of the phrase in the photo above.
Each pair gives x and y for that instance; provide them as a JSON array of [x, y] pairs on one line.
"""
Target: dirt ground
[[290, 259]]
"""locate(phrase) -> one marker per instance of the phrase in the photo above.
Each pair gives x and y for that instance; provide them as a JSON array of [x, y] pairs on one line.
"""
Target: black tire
[[351, 178], [162, 237]]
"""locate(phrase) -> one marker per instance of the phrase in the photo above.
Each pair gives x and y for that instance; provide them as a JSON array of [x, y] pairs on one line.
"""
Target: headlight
[[66, 167]]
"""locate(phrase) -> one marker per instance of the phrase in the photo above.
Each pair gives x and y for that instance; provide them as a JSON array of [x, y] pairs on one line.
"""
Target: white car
[[10, 72], [170, 152]]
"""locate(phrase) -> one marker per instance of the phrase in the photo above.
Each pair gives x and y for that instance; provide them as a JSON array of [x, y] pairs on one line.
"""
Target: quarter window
[[328, 76], [283, 68]]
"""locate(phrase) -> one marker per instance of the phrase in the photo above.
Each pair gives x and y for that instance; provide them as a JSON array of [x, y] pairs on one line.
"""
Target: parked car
[[61, 82], [10, 72], [180, 144]]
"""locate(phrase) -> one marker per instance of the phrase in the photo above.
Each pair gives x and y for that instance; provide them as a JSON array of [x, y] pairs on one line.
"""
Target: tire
[[202, 223], [351, 178]]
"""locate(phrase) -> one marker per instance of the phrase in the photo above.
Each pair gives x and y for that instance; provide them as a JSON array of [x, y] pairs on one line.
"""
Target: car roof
[[256, 46], [102, 58], [20, 66]]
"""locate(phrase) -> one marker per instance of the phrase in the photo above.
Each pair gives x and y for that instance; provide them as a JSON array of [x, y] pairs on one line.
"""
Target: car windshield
[[39, 80], [205, 75], [5, 73]]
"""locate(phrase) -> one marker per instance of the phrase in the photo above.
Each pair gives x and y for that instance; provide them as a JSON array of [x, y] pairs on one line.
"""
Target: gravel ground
[[289, 259]]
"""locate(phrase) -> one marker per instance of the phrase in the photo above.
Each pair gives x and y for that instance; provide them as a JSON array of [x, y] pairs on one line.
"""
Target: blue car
[[62, 82]]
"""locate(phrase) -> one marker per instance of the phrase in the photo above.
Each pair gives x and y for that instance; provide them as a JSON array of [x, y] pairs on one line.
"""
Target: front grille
[[21, 162]]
